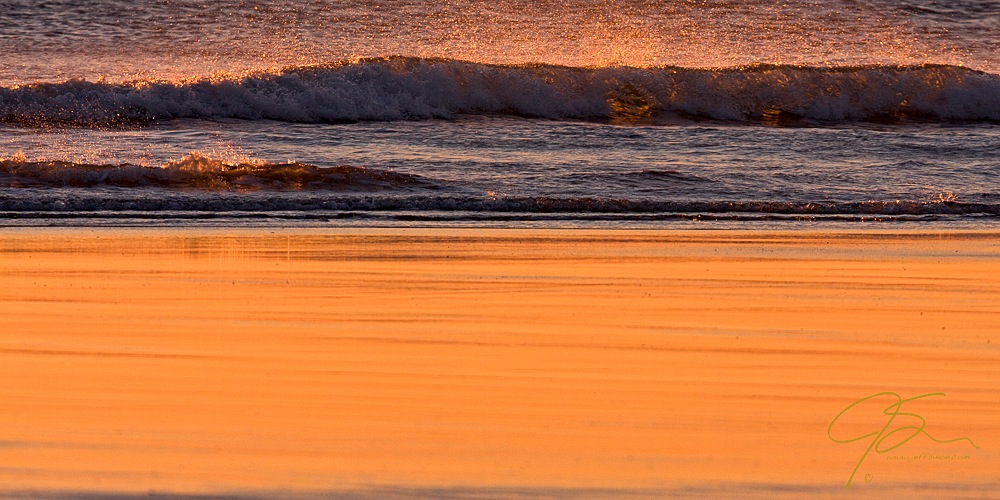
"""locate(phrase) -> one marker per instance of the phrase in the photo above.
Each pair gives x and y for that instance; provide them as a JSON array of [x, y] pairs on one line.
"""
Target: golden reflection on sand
[[567, 363]]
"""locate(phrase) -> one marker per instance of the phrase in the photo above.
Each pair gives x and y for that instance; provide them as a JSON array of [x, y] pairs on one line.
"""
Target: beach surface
[[499, 363]]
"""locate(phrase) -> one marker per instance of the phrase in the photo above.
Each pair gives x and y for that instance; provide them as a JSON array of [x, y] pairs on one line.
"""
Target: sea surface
[[510, 113]]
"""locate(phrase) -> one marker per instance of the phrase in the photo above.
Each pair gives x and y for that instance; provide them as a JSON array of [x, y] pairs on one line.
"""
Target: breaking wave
[[198, 171], [402, 88]]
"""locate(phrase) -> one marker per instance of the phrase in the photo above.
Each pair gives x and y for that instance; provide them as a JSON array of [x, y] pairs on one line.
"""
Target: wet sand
[[495, 364]]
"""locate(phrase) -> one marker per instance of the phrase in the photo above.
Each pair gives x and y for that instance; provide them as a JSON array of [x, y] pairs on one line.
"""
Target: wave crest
[[199, 171], [411, 88]]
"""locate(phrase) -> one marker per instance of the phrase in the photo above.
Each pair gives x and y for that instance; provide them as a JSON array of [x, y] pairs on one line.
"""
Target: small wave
[[199, 171], [650, 181], [412, 88], [317, 204], [653, 177]]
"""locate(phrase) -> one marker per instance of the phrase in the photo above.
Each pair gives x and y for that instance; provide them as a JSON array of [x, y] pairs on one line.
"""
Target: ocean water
[[694, 113]]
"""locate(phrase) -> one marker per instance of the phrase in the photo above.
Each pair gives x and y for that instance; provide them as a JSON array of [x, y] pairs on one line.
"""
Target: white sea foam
[[410, 88]]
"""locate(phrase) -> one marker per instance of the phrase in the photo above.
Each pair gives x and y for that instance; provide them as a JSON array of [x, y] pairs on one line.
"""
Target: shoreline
[[663, 234], [529, 362]]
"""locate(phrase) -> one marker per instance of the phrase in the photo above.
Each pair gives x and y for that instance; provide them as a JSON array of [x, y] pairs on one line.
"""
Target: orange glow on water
[[207, 362], [690, 33]]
